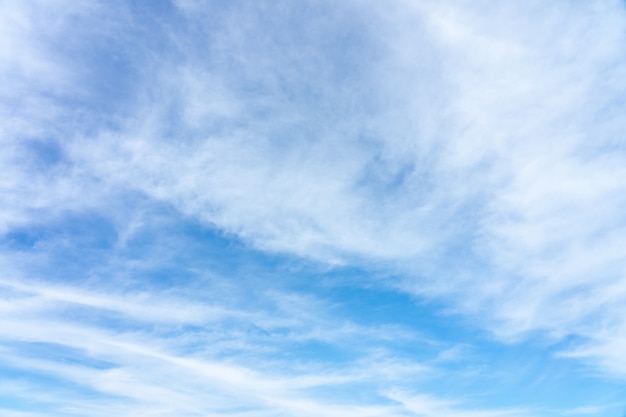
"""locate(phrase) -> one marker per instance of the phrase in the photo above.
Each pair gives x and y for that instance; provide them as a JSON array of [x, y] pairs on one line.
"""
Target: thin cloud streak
[[149, 369]]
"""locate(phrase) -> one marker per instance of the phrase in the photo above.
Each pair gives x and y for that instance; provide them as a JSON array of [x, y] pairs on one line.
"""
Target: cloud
[[111, 351], [470, 153], [425, 406], [498, 139], [46, 71]]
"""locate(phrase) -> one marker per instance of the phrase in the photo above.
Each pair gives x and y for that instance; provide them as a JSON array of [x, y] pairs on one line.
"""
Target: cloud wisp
[[110, 350], [506, 147], [464, 155]]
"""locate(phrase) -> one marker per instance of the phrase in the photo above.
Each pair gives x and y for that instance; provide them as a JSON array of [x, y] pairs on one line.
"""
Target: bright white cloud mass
[[313, 208]]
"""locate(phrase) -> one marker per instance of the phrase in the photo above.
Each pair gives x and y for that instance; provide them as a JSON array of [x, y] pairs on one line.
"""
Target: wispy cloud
[[510, 165], [179, 359], [467, 154]]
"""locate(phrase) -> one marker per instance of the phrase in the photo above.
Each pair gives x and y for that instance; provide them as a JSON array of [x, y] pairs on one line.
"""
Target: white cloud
[[44, 74], [426, 406], [477, 148], [513, 157], [161, 369]]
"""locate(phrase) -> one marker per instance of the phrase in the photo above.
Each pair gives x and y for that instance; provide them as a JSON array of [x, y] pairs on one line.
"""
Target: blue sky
[[410, 208]]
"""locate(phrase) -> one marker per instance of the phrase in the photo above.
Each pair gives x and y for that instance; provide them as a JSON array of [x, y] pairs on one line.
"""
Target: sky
[[353, 208]]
